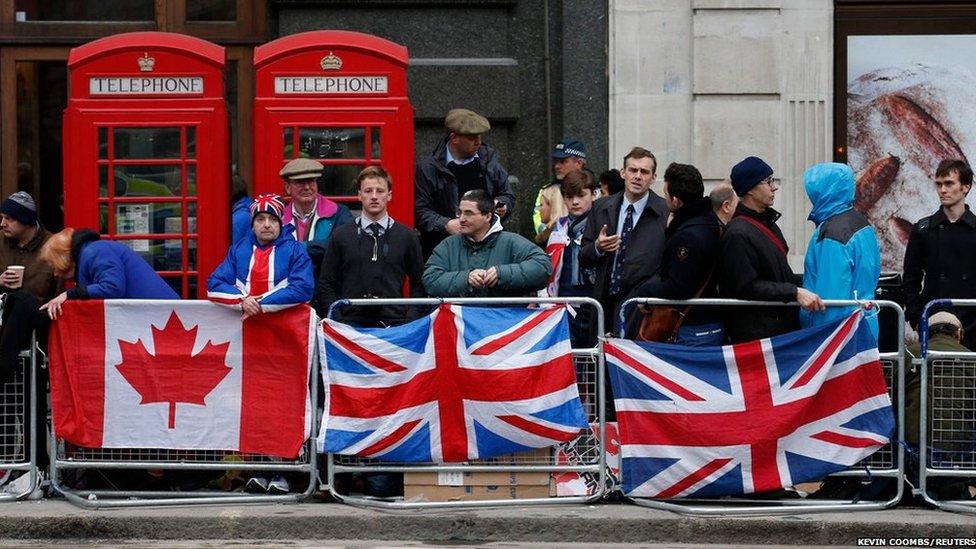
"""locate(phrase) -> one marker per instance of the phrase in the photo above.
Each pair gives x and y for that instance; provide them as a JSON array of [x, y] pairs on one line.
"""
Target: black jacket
[[643, 252], [941, 262], [436, 191], [689, 260], [349, 271], [754, 268]]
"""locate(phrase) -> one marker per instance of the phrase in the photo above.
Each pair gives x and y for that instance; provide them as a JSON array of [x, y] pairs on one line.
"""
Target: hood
[[496, 227], [830, 187], [78, 241]]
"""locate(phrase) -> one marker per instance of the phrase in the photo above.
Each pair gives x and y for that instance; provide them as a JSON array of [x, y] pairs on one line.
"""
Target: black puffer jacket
[[754, 267]]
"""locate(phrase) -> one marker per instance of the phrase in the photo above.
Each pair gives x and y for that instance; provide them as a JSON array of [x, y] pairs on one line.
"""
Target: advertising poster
[[911, 102]]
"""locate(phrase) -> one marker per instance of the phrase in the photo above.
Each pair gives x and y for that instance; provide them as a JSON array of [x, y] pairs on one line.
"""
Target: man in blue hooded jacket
[[843, 260]]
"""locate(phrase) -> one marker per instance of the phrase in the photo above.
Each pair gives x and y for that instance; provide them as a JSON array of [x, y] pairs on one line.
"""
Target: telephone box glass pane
[[103, 181], [117, 10], [339, 180], [374, 143], [144, 143], [102, 143], [211, 10], [332, 142], [162, 255], [191, 180], [191, 142], [289, 146], [151, 218], [152, 181], [169, 256]]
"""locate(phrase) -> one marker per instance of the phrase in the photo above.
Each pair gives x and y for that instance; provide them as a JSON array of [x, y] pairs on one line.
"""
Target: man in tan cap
[[313, 215], [952, 397], [461, 162]]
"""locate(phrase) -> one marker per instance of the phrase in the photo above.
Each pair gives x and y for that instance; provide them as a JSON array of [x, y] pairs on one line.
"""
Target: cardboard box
[[474, 486], [466, 486]]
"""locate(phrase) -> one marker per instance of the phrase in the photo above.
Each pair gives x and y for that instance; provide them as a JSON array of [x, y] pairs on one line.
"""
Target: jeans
[[701, 335]]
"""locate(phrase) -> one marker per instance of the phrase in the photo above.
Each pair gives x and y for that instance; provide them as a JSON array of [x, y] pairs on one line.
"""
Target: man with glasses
[[754, 259], [482, 260], [313, 215]]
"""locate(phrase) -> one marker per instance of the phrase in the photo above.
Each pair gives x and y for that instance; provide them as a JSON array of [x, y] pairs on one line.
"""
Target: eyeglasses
[[303, 182], [467, 213], [773, 184]]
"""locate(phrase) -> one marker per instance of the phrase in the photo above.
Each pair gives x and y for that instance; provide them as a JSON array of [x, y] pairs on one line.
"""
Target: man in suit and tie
[[624, 238]]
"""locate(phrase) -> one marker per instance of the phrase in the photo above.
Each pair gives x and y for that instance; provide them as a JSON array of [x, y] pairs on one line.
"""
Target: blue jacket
[[843, 260], [240, 219], [110, 270], [290, 271]]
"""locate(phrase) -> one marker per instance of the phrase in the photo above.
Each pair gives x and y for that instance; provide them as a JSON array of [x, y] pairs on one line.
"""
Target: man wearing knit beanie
[[754, 258], [21, 237]]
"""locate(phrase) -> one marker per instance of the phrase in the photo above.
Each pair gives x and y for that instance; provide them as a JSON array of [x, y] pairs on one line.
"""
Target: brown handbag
[[661, 324]]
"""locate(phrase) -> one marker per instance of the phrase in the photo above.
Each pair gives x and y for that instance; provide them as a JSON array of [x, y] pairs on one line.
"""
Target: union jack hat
[[267, 203]]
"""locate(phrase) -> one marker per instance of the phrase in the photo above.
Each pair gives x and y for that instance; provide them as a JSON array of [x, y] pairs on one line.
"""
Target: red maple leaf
[[173, 375]]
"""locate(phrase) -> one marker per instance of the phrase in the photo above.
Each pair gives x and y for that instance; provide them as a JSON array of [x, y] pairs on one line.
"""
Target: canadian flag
[[181, 375]]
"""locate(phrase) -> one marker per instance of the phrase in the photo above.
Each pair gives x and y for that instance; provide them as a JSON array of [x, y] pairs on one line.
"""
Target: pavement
[[59, 522]]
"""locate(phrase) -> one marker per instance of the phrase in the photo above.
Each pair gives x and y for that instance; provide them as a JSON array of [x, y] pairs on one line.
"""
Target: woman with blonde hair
[[102, 269], [551, 209]]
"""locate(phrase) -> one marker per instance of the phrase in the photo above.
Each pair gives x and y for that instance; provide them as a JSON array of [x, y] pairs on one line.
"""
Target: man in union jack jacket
[[269, 270]]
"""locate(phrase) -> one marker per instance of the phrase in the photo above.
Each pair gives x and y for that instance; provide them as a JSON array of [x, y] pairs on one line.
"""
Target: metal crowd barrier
[[947, 391], [888, 462], [67, 457], [18, 412], [590, 448]]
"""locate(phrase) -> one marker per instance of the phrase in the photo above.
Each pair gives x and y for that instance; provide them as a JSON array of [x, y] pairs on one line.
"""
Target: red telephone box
[[146, 151], [340, 98]]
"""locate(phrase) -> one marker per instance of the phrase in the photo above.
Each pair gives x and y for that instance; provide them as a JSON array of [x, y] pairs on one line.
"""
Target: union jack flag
[[463, 383], [751, 417]]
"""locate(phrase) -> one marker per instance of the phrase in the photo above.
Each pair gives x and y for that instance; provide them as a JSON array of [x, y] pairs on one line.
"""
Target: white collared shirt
[[638, 210], [385, 223]]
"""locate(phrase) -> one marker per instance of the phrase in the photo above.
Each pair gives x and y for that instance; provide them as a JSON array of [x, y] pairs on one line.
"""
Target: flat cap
[[301, 168], [466, 122], [943, 317]]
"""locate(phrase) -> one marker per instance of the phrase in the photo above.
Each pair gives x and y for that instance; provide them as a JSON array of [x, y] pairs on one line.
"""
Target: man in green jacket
[[483, 260], [952, 394]]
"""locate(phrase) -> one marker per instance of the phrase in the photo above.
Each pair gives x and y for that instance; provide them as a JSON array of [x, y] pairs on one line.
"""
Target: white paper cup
[[19, 271]]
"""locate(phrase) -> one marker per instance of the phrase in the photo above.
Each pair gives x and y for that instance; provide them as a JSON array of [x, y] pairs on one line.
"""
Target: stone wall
[[709, 82], [490, 56]]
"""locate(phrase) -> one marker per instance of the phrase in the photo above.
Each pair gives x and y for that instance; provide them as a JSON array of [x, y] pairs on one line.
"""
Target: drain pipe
[[547, 64]]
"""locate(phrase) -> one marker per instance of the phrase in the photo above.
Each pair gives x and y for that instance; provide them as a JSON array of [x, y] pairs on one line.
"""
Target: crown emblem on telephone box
[[331, 62], [146, 63]]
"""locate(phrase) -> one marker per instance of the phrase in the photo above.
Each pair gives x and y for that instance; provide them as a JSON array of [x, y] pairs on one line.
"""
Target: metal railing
[[67, 457], [18, 422], [589, 447], [947, 414], [888, 462]]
